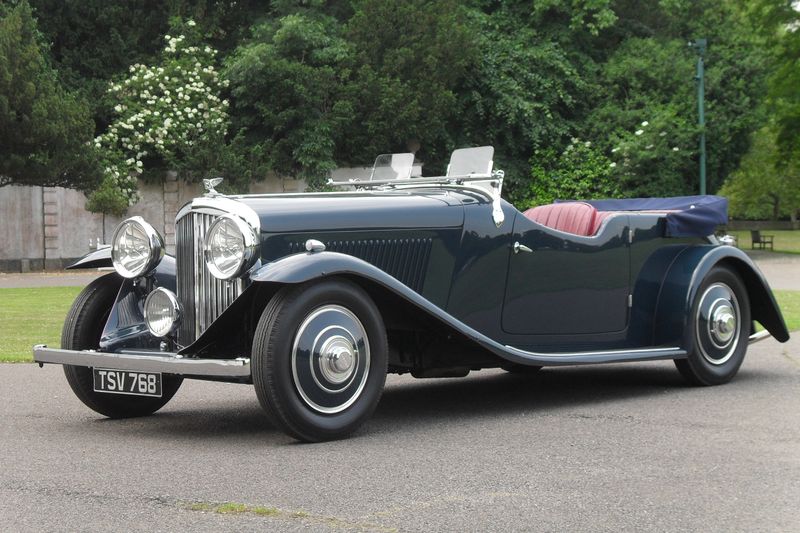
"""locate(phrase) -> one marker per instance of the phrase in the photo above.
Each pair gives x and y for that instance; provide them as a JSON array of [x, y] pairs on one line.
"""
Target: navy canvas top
[[691, 216]]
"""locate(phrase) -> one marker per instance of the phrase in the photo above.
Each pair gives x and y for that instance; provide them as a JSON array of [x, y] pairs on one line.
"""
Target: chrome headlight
[[230, 247], [161, 312], [136, 248]]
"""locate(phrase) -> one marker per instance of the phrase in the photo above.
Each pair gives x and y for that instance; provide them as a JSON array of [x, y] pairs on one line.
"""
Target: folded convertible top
[[687, 216]]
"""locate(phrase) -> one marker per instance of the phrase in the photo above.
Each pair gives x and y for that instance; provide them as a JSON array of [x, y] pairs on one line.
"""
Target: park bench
[[761, 241]]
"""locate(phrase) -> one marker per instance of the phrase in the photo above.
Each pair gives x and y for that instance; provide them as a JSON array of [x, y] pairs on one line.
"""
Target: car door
[[564, 284]]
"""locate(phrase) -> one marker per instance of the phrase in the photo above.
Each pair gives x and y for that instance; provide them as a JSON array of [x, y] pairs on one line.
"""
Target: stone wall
[[48, 227]]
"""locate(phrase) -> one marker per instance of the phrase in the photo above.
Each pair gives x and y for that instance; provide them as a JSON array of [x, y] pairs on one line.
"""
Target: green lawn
[[786, 241], [31, 316], [789, 301]]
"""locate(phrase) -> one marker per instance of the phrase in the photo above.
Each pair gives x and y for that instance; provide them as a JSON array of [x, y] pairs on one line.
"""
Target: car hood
[[347, 211]]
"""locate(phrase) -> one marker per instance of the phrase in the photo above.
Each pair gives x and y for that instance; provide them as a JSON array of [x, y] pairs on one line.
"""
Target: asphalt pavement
[[605, 448]]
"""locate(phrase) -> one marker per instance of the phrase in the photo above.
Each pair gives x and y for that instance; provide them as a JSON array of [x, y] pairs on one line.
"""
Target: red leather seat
[[599, 218], [577, 218]]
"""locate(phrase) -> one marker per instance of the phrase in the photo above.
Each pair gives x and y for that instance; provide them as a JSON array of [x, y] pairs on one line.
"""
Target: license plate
[[127, 382]]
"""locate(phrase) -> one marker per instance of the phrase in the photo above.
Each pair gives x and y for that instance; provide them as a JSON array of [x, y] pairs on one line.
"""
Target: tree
[[526, 93], [647, 76], [45, 131], [764, 186], [93, 41], [779, 21], [318, 87]]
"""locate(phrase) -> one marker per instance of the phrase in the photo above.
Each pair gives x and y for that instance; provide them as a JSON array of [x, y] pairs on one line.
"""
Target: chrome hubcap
[[723, 324], [330, 359], [338, 359], [718, 324]]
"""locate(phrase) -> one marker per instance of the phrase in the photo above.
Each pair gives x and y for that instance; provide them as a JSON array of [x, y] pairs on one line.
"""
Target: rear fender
[[683, 280]]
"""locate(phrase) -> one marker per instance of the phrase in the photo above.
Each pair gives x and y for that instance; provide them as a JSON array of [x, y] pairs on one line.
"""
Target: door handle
[[521, 248]]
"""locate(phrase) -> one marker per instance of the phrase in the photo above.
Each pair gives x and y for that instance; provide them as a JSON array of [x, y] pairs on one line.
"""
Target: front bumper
[[165, 362]]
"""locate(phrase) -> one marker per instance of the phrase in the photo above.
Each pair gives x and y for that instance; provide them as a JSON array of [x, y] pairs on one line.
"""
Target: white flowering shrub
[[648, 160], [580, 172], [162, 113]]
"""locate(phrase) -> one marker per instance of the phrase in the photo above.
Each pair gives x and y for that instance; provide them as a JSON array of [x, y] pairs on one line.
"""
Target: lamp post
[[700, 45]]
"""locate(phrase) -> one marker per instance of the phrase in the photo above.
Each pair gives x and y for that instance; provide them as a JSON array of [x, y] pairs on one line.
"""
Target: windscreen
[[471, 161], [392, 167]]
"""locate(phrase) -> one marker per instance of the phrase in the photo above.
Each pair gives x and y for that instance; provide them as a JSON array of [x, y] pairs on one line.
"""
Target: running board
[[609, 356]]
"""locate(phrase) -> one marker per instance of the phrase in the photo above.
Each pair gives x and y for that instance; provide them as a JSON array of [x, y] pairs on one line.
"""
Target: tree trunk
[[776, 206]]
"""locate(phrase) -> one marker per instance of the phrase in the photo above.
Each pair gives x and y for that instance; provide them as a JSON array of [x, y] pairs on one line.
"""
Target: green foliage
[[108, 198], [288, 90], [317, 84], [164, 113], [411, 58], [784, 82], [312, 91], [44, 129], [524, 93], [580, 172], [650, 159], [640, 82], [93, 41], [582, 15], [764, 186]]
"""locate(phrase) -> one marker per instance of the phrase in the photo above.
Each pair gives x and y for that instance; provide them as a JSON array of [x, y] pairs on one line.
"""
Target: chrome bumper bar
[[760, 336], [166, 362]]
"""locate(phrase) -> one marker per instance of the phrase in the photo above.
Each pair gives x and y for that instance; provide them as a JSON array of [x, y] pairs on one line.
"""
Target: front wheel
[[320, 359], [82, 330], [720, 323]]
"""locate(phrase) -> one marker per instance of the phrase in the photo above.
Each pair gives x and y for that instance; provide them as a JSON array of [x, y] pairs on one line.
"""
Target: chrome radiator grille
[[203, 297]]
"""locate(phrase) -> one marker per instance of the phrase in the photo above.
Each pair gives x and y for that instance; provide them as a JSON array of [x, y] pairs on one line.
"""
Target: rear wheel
[[320, 359], [720, 324], [82, 330]]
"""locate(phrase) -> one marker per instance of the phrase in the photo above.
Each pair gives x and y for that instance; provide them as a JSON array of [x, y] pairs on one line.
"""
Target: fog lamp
[[162, 312]]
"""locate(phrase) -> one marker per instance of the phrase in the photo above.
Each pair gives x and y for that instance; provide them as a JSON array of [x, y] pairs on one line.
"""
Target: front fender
[[299, 268], [97, 259], [680, 286], [126, 327]]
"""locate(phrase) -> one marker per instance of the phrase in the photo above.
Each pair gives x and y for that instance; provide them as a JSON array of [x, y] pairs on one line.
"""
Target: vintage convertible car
[[313, 298]]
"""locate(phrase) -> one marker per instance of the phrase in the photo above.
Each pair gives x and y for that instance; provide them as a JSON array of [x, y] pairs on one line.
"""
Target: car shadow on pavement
[[415, 403], [549, 391]]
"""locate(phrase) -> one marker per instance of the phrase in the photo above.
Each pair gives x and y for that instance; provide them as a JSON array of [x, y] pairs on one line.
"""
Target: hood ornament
[[209, 184]]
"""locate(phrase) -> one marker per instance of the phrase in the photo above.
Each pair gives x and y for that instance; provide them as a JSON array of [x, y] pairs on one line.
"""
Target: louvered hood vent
[[404, 259]]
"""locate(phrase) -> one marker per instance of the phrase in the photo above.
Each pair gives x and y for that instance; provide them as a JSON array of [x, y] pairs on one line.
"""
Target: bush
[[165, 115]]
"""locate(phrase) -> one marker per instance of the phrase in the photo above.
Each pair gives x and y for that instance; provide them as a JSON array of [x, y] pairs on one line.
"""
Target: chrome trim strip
[[438, 180], [760, 336], [225, 205], [166, 362], [653, 352]]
